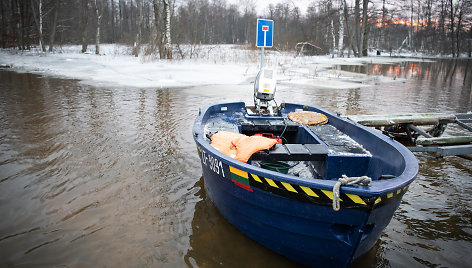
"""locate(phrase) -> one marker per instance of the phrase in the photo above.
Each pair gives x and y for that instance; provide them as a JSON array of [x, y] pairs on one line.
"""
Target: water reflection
[[453, 71], [92, 175], [105, 176], [215, 242]]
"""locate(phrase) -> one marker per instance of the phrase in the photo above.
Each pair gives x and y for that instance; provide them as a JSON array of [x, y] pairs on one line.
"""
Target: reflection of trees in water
[[442, 86], [31, 122], [445, 69], [24, 109], [467, 75], [215, 242], [353, 101], [165, 119], [436, 219]]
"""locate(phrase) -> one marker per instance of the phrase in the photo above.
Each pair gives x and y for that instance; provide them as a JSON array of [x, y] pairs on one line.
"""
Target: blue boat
[[302, 212]]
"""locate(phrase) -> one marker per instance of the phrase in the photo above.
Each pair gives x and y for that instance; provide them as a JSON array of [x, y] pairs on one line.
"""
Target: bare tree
[[460, 6], [341, 30], [156, 40], [38, 18], [363, 36], [348, 29], [54, 23], [167, 38], [97, 33], [137, 43], [19, 24], [357, 30], [334, 38], [84, 25], [410, 32], [112, 21]]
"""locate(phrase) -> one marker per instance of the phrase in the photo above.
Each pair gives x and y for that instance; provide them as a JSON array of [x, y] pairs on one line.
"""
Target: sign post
[[265, 35]]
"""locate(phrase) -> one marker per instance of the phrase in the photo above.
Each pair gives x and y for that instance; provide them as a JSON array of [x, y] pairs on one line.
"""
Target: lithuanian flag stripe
[[238, 172], [240, 178], [242, 185]]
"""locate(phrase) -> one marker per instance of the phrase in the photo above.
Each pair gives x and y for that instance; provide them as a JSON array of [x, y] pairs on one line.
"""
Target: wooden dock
[[409, 129]]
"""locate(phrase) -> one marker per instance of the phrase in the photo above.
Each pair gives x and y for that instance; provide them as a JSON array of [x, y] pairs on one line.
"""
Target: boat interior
[[319, 152]]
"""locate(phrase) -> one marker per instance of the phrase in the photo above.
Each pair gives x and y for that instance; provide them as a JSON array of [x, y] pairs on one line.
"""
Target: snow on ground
[[201, 65]]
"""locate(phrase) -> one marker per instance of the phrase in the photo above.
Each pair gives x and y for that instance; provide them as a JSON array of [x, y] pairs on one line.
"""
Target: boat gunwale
[[377, 187]]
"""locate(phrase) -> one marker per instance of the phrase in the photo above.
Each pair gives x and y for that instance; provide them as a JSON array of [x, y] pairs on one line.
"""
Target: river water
[[97, 176]]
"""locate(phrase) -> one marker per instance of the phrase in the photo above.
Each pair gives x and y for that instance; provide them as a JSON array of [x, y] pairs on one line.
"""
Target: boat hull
[[305, 232], [294, 216]]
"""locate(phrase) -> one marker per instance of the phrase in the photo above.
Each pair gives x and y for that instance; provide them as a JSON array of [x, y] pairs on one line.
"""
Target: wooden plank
[[444, 140], [394, 119]]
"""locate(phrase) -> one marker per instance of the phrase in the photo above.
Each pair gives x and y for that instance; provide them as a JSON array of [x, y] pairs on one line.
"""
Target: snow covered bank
[[202, 65], [115, 67]]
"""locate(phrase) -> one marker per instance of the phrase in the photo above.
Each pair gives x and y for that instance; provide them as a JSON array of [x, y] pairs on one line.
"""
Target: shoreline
[[214, 65]]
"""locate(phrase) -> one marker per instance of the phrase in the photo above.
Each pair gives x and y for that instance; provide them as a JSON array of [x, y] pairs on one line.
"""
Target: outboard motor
[[264, 91]]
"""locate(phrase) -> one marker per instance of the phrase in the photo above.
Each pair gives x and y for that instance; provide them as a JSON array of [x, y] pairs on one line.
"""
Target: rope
[[345, 180]]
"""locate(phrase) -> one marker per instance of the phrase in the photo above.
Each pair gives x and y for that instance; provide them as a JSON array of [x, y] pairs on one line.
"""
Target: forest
[[160, 27]]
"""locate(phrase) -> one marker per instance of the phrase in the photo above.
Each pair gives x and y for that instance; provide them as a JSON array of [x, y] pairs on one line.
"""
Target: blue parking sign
[[265, 33]]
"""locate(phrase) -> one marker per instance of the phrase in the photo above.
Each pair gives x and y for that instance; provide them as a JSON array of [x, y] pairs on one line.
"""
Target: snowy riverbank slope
[[209, 65]]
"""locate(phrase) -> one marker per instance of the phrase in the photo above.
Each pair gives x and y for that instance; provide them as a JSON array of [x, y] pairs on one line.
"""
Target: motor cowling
[[264, 88]]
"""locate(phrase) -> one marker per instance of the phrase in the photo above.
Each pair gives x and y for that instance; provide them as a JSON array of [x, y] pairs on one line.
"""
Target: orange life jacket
[[240, 146]]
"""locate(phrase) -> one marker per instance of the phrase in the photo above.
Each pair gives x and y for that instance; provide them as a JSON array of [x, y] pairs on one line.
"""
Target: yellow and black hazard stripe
[[389, 197], [319, 196]]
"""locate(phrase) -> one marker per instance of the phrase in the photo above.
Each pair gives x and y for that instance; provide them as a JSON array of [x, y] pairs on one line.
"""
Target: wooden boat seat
[[294, 152]]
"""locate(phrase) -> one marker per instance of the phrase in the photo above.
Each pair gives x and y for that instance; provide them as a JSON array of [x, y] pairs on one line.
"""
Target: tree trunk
[[112, 21], [365, 42], [442, 30], [84, 25], [167, 40], [334, 38], [351, 45], [459, 26], [384, 12], [41, 42], [452, 15], [341, 31], [130, 18], [97, 36], [363, 34], [470, 41], [357, 31], [431, 41], [54, 23], [38, 18], [157, 40], [19, 26], [137, 43], [4, 25], [410, 32], [121, 20]]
